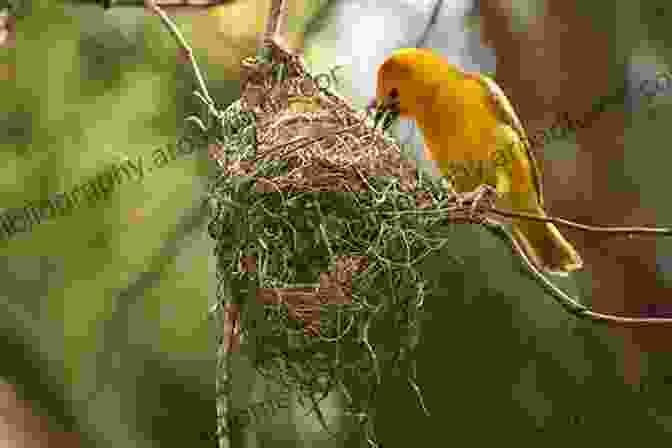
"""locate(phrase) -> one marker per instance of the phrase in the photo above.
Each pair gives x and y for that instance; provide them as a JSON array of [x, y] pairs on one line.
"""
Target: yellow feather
[[471, 130]]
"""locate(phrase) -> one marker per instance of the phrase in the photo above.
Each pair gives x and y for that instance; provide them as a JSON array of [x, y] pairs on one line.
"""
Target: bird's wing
[[505, 113]]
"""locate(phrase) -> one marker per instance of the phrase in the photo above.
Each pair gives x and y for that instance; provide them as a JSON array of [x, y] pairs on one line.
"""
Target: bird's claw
[[482, 194]]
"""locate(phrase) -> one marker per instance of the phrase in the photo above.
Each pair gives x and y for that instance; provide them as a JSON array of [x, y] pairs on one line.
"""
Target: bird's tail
[[545, 246]]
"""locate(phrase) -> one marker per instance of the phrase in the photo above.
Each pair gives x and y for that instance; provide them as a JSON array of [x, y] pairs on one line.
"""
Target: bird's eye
[[394, 93]]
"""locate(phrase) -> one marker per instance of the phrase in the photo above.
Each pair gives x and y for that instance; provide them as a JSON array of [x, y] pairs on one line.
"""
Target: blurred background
[[104, 331]]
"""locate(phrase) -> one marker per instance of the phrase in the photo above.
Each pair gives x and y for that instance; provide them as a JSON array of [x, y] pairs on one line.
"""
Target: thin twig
[[466, 207], [564, 299], [276, 25], [225, 429], [654, 231], [182, 43], [422, 40], [277, 18]]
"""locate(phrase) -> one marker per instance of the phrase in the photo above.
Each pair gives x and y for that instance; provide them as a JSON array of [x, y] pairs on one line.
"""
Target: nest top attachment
[[325, 143]]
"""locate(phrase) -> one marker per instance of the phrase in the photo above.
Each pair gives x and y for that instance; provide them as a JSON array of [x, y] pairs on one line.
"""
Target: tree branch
[[565, 300], [482, 210], [626, 231], [277, 19], [152, 6], [422, 40]]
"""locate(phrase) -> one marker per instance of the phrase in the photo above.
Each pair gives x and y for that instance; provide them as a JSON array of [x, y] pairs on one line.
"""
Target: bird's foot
[[486, 194]]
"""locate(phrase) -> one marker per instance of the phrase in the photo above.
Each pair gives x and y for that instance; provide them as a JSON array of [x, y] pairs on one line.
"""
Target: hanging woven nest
[[297, 141], [320, 230]]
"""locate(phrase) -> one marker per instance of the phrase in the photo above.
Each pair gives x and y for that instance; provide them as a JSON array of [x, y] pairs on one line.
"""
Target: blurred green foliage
[[104, 322]]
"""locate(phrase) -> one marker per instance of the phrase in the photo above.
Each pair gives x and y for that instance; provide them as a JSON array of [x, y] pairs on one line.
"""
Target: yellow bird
[[471, 130]]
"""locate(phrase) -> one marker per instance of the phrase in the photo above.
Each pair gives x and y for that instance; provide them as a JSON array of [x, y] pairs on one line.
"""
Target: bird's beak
[[387, 111]]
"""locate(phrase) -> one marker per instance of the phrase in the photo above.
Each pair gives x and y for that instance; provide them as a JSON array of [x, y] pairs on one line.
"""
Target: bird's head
[[407, 83]]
